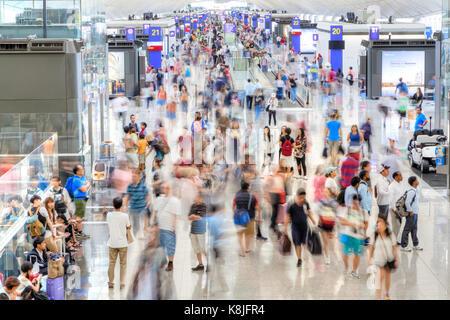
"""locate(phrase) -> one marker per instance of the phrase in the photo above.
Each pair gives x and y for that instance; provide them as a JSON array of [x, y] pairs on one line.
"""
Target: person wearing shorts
[[298, 213], [354, 225], [166, 213], [197, 215], [80, 185], [246, 201]]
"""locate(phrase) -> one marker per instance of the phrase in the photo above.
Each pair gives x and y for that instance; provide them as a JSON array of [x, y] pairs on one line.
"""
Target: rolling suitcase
[[55, 288]]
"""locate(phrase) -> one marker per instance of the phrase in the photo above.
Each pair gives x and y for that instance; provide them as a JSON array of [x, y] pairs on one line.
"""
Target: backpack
[[286, 149], [36, 228], [241, 216], [69, 187], [400, 205], [341, 197]]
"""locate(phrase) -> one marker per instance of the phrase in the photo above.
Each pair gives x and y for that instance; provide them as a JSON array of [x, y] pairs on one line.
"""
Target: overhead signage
[[146, 29], [428, 32], [315, 37], [374, 33], [130, 34], [230, 28], [172, 33]]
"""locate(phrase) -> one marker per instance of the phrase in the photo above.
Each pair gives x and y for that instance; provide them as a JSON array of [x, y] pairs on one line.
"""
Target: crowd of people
[[199, 158]]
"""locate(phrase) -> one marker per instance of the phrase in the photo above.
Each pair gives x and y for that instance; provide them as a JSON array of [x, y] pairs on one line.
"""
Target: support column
[[336, 55], [295, 34]]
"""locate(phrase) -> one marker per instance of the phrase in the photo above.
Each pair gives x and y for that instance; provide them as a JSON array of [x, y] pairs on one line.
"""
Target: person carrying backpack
[[60, 195], [412, 208], [246, 203], [77, 186], [287, 146]]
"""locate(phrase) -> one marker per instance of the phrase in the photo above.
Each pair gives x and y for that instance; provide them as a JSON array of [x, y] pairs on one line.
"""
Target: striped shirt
[[137, 196], [349, 169]]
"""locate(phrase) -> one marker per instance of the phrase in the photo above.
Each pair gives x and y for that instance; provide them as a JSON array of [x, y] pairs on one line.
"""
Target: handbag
[[325, 152], [130, 237], [314, 242], [284, 244], [55, 267]]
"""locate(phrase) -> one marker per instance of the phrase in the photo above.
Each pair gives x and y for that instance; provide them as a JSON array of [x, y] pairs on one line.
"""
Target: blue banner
[[255, 20], [268, 23], [154, 59], [146, 29], [155, 34], [374, 33], [336, 55], [130, 34], [429, 32], [295, 35]]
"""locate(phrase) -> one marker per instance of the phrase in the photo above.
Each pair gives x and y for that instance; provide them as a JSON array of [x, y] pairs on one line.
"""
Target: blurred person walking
[[197, 216], [167, 209], [136, 200], [381, 189], [246, 201], [271, 107], [118, 224], [384, 252], [366, 130], [333, 136], [353, 229], [297, 214]]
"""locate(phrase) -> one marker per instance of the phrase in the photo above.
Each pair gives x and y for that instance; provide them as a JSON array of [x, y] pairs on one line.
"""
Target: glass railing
[[31, 175], [69, 126]]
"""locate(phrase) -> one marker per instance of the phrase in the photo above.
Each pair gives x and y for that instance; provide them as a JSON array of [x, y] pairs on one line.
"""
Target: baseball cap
[[382, 166], [301, 191], [330, 169], [273, 95]]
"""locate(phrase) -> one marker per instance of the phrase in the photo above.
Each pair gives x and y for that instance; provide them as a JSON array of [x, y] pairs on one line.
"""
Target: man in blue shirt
[[412, 207], [421, 120], [136, 200], [80, 187], [364, 191], [401, 87], [333, 136], [351, 190]]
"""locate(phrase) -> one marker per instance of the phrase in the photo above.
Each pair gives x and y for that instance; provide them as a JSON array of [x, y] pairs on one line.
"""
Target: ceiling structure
[[118, 9]]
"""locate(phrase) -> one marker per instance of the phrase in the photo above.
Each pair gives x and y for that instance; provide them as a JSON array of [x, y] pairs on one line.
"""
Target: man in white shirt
[[382, 191], [396, 190], [167, 209], [249, 90], [118, 223], [120, 105]]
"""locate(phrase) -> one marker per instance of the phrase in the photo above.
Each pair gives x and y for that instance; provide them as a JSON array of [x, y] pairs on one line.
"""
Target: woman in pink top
[[319, 183]]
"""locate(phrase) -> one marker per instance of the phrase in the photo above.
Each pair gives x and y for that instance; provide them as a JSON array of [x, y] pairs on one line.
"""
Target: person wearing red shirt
[[349, 167]]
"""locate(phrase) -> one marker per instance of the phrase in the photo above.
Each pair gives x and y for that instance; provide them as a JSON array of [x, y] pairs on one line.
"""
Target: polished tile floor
[[264, 273]]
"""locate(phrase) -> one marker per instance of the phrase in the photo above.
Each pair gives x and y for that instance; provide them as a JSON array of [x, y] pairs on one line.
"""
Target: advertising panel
[[116, 72], [409, 65]]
